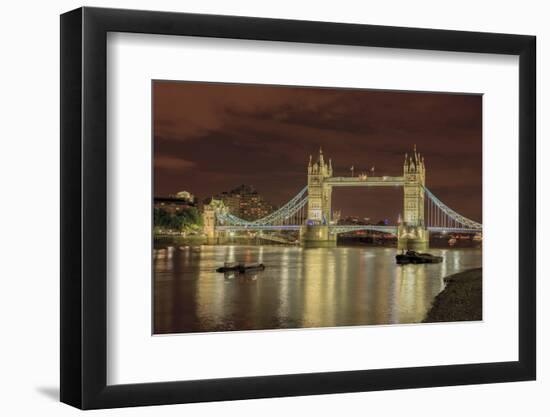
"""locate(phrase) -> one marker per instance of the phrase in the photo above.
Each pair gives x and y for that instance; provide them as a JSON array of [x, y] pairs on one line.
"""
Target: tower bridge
[[310, 211]]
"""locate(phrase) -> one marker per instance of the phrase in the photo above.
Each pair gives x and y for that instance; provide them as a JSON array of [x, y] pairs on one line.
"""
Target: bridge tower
[[316, 230], [210, 219], [412, 232], [319, 195]]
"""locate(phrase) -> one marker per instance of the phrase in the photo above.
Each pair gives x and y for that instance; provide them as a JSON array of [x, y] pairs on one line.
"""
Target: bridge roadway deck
[[362, 181], [341, 228]]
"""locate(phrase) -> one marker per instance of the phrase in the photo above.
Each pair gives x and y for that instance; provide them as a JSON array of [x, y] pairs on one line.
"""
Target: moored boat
[[412, 257], [240, 267]]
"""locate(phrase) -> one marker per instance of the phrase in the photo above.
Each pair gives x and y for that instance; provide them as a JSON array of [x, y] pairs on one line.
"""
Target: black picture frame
[[84, 207]]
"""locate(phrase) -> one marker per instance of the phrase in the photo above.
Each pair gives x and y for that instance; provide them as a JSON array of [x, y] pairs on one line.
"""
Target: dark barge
[[240, 267], [412, 257]]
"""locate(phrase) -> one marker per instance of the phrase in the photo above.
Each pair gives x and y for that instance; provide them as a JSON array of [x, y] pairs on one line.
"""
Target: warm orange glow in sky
[[212, 137]]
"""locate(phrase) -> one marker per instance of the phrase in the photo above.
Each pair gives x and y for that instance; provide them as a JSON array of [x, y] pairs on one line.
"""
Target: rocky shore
[[461, 300]]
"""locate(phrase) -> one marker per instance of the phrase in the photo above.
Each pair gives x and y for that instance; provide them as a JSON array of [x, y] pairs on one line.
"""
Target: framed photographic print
[[257, 208]]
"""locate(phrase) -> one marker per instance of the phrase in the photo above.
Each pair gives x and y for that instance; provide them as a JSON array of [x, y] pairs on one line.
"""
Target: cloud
[[212, 137], [173, 163]]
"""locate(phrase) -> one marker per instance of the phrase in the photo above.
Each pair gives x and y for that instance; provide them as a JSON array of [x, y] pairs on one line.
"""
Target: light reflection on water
[[321, 287]]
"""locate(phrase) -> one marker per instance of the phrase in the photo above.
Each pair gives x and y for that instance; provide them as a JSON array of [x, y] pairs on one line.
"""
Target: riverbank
[[164, 240], [461, 300]]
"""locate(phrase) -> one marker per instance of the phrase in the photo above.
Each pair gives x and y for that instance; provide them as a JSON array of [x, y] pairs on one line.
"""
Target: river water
[[321, 287]]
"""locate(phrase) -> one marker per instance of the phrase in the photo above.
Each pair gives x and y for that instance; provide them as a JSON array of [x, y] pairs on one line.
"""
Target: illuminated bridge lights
[[291, 216]]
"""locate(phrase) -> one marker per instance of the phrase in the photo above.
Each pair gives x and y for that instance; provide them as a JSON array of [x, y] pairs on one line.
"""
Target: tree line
[[184, 220]]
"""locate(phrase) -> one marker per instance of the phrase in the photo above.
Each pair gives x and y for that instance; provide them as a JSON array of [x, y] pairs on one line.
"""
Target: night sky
[[211, 137]]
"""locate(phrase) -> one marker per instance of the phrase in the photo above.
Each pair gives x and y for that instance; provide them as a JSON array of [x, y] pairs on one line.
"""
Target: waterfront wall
[[317, 236]]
